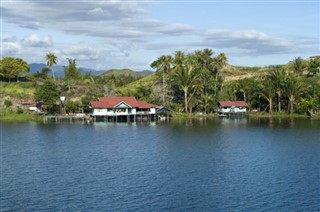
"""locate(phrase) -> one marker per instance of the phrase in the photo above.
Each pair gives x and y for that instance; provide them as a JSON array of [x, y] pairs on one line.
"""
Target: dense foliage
[[11, 68], [47, 93], [184, 82], [192, 80], [289, 89]]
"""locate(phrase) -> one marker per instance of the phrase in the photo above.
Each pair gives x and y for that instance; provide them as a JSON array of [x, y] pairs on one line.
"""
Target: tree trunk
[[270, 106], [279, 101], [163, 88], [52, 70], [291, 104], [185, 100]]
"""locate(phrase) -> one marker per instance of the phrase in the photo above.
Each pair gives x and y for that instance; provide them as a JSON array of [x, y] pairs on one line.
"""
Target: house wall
[[34, 108], [232, 109], [152, 111], [121, 111]]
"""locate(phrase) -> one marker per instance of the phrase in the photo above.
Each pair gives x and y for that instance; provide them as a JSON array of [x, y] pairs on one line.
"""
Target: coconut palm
[[298, 65], [278, 77], [294, 88], [218, 63], [52, 60], [163, 65], [186, 78], [268, 92]]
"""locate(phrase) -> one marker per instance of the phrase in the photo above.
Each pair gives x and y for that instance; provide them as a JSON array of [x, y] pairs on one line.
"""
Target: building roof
[[111, 102], [144, 104], [114, 101], [233, 103]]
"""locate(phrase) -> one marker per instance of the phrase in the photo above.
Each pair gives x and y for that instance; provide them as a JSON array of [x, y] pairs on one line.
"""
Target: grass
[[13, 116], [17, 88], [147, 81]]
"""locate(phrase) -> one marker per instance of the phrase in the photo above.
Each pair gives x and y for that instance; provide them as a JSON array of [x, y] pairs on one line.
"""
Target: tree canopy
[[52, 60], [11, 67], [47, 93]]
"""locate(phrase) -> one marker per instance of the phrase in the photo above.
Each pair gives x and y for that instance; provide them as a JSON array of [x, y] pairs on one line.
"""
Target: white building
[[232, 107]]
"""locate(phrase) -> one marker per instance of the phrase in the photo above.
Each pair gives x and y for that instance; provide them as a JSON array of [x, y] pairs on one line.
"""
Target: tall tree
[[47, 93], [219, 62], [294, 88], [163, 65], [11, 67], [52, 60], [314, 67], [278, 77], [71, 72], [298, 66], [203, 62], [268, 92], [186, 78]]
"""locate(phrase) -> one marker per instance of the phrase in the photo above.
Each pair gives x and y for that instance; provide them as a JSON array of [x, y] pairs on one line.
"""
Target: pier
[[114, 118], [67, 119]]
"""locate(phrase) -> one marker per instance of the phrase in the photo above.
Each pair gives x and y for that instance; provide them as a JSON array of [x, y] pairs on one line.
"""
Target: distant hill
[[126, 72], [58, 70]]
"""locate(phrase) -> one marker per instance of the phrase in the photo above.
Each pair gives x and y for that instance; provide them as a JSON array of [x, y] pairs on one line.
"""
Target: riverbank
[[14, 116], [24, 116]]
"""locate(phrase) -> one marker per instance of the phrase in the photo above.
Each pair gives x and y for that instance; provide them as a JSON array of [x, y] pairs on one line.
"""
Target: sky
[[132, 34]]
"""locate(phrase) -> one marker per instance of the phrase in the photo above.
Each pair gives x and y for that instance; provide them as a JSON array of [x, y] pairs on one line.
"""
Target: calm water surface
[[190, 165]]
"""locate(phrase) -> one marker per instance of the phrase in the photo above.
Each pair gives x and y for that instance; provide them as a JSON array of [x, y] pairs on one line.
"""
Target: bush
[[7, 103], [20, 110]]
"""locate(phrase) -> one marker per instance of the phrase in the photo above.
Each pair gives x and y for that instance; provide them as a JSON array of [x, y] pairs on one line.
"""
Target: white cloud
[[35, 40], [81, 52], [9, 38], [10, 49], [117, 33], [257, 43]]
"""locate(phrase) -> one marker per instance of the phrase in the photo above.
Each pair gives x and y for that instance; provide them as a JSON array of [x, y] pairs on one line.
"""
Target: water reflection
[[280, 122]]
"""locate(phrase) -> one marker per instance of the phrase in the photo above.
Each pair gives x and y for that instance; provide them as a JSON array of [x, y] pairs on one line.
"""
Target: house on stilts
[[121, 109], [227, 108]]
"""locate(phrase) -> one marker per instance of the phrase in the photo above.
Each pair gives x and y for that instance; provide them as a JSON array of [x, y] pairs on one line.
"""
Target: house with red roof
[[121, 106], [232, 106]]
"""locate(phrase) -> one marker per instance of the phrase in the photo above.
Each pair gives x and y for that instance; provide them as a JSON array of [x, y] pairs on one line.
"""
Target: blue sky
[[132, 34]]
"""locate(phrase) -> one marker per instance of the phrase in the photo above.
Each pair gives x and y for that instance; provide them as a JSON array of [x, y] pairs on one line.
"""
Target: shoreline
[[29, 117]]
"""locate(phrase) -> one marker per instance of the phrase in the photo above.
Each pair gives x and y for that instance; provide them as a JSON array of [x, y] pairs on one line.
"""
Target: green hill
[[147, 81], [125, 72]]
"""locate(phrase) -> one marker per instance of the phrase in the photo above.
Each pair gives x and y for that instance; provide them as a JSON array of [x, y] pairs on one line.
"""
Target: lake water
[[187, 165]]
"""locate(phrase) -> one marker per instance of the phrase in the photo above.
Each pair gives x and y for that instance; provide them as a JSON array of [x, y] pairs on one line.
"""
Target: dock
[[67, 119]]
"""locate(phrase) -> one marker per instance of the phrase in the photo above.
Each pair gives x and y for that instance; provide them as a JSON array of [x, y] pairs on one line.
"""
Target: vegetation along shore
[[186, 83]]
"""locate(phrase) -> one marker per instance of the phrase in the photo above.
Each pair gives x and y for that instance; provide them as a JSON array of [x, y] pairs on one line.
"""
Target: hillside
[[59, 70], [125, 72]]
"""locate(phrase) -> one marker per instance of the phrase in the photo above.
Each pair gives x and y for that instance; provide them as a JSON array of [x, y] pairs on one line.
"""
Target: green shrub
[[20, 110], [7, 103]]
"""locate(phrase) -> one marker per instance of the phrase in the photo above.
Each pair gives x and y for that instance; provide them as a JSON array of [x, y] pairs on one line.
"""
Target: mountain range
[[59, 70]]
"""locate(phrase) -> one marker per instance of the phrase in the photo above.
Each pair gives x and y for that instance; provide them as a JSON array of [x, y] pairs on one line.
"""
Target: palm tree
[[204, 58], [218, 63], [52, 60], [163, 65], [278, 78], [294, 88], [298, 65], [186, 78], [268, 92]]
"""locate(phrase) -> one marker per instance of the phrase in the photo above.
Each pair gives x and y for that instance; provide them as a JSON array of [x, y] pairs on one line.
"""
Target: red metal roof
[[111, 102], [144, 104], [233, 103]]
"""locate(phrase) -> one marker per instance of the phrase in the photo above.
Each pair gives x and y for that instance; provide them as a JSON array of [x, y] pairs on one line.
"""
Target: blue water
[[189, 165]]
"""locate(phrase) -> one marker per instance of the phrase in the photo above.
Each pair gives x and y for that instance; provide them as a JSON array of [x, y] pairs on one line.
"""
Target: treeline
[[195, 82], [184, 82], [79, 89]]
